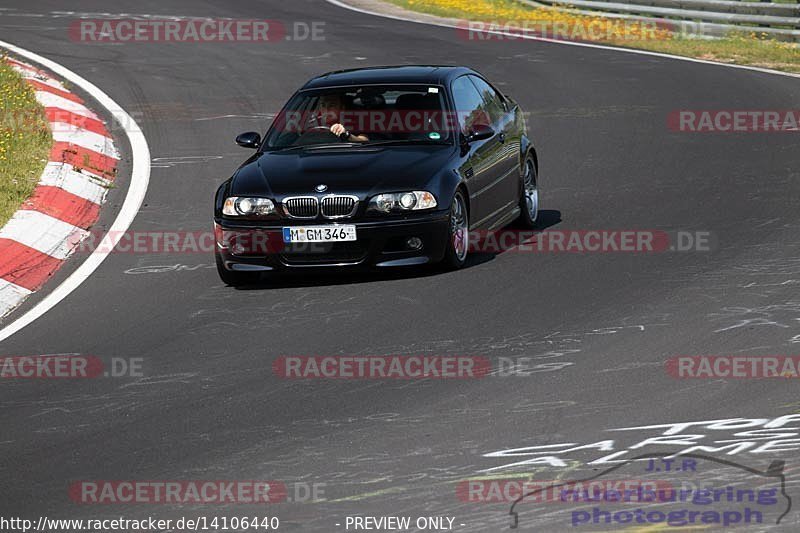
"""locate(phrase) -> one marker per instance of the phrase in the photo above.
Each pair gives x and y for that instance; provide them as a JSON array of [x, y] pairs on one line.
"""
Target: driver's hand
[[338, 129]]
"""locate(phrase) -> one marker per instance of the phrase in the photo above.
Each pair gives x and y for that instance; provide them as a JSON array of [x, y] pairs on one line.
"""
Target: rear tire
[[458, 234], [529, 201], [232, 278]]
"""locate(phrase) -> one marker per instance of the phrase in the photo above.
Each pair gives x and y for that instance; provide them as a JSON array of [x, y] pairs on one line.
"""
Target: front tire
[[529, 201], [232, 278], [458, 234]]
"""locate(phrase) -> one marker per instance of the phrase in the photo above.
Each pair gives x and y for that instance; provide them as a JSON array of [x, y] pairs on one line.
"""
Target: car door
[[503, 122], [484, 158]]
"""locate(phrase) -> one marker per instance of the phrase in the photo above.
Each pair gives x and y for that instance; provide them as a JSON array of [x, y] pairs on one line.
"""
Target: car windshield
[[363, 115]]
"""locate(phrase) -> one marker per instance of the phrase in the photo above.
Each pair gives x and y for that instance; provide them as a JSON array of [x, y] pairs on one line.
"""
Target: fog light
[[414, 243]]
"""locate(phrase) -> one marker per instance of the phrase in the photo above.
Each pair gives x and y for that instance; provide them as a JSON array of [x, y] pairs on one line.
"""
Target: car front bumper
[[380, 243]]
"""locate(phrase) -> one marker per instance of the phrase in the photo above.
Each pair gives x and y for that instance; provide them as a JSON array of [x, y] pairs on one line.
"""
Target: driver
[[330, 107]]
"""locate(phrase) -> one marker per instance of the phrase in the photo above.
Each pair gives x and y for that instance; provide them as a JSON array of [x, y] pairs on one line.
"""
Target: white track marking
[[140, 178], [567, 43], [30, 74], [69, 133], [62, 175], [11, 296], [53, 100], [43, 233]]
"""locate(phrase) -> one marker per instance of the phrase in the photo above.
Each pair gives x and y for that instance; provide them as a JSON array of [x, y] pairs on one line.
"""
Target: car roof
[[422, 74]]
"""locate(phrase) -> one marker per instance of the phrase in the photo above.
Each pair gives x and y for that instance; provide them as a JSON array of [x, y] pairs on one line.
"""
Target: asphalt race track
[[208, 405]]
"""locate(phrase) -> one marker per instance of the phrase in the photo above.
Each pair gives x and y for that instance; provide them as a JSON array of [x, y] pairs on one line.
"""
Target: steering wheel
[[316, 135]]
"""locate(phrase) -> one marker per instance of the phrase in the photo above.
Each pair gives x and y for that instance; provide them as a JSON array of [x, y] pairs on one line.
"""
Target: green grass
[[737, 48], [25, 141], [741, 50], [447, 9]]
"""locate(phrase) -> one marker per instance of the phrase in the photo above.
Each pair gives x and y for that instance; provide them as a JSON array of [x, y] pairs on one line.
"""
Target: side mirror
[[480, 132], [251, 139]]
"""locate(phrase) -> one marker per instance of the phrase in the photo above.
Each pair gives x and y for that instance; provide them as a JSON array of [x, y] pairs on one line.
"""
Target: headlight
[[407, 200], [253, 207], [402, 201]]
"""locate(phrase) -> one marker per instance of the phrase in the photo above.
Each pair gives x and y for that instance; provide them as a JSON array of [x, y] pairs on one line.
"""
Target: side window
[[494, 102], [470, 106]]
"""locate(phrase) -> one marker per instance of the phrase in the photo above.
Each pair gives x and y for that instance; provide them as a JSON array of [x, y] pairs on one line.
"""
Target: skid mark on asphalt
[[591, 112], [166, 379], [528, 406], [162, 269], [783, 315], [254, 116], [305, 308], [85, 406], [556, 346], [367, 495], [631, 366], [62, 429], [262, 318], [53, 410], [169, 162], [760, 293]]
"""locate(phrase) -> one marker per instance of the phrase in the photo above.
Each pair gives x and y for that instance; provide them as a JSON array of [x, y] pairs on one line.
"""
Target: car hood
[[360, 171]]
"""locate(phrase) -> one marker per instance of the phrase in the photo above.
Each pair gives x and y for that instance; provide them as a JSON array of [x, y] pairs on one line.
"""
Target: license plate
[[319, 234]]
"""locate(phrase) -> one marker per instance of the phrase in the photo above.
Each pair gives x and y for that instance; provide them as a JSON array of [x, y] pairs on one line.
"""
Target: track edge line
[[140, 179], [344, 5]]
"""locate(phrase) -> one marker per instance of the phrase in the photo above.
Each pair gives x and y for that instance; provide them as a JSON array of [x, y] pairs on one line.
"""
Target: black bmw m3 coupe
[[377, 167]]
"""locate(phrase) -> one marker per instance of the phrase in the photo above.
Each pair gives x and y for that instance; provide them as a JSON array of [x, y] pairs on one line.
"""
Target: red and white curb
[[66, 202]]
